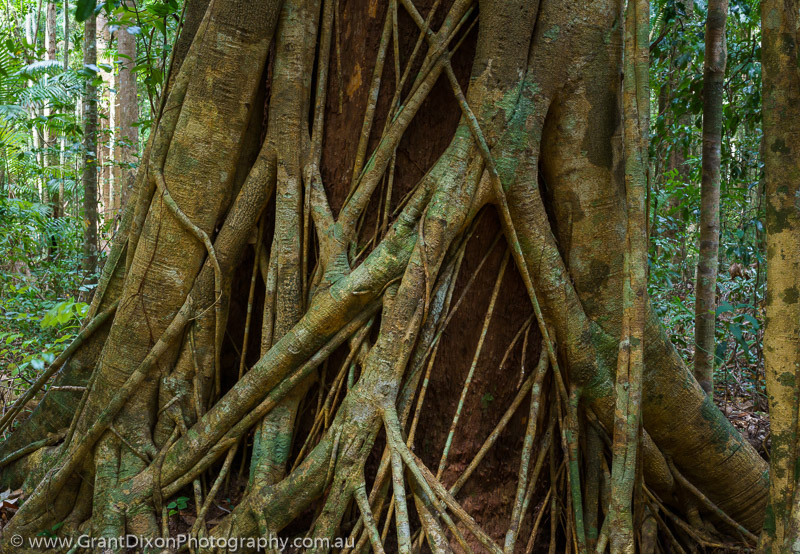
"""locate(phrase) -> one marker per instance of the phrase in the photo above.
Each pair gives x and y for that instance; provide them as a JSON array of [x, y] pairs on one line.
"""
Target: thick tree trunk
[[347, 313], [708, 263], [781, 47]]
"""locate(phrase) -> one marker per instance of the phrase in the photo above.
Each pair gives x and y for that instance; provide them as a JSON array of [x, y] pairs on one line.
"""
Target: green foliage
[[180, 503], [52, 532], [155, 25], [38, 313], [85, 9], [42, 286], [677, 52]]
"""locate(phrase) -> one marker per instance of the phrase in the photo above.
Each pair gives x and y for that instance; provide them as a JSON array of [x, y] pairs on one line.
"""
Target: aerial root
[[368, 518], [432, 487], [527, 449], [710, 505], [32, 447], [199, 527], [203, 237]]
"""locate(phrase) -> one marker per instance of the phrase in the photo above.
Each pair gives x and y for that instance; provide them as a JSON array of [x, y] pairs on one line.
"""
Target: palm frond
[[61, 89], [12, 112], [40, 68]]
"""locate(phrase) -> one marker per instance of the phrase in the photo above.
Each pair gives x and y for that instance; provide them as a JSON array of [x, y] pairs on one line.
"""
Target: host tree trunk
[[282, 317]]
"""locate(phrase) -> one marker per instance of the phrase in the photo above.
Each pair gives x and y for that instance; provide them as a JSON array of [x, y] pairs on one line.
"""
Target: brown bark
[[90, 152], [708, 264], [126, 114], [51, 158]]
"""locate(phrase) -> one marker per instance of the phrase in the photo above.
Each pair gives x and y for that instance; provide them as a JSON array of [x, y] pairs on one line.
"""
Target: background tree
[[716, 54], [127, 114], [677, 53], [51, 157], [782, 336], [90, 148], [106, 117]]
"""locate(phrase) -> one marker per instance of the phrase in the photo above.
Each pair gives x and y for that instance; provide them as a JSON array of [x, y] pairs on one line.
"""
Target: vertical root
[[360, 494], [527, 448], [430, 484]]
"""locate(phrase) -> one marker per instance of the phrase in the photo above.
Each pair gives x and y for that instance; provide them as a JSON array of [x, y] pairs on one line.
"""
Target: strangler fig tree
[[382, 276]]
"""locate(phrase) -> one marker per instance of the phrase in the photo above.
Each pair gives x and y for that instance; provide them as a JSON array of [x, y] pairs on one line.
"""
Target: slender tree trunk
[[50, 140], [708, 264], [37, 137], [105, 120], [63, 141], [90, 152], [781, 48], [127, 114]]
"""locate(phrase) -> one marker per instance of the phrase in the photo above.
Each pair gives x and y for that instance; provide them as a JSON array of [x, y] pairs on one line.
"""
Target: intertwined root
[[161, 412]]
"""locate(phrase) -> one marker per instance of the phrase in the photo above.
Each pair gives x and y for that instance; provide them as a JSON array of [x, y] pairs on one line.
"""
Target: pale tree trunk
[[781, 47], [308, 357], [63, 141], [126, 115], [708, 263], [31, 36], [90, 152], [50, 141], [105, 120]]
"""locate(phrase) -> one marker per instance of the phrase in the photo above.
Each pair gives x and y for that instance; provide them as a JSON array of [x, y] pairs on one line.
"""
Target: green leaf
[[753, 321], [720, 352], [736, 331], [159, 24], [724, 307], [85, 9]]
